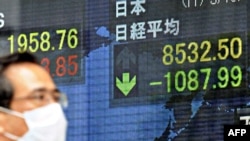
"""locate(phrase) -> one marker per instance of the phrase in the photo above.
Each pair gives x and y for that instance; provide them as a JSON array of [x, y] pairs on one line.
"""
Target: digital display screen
[[181, 66], [57, 44], [157, 54], [56, 49], [139, 70]]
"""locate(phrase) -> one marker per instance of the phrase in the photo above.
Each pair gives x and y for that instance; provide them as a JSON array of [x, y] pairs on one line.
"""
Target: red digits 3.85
[[62, 66]]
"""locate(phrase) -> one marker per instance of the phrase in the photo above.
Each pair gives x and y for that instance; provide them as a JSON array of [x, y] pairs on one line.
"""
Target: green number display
[[194, 79]]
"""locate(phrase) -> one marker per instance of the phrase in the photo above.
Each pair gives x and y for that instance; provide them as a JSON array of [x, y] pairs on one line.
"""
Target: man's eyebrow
[[45, 90]]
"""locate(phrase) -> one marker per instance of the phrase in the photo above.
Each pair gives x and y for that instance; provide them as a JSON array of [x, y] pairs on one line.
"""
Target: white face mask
[[47, 123]]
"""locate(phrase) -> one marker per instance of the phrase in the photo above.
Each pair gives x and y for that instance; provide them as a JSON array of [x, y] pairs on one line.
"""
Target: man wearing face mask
[[30, 107]]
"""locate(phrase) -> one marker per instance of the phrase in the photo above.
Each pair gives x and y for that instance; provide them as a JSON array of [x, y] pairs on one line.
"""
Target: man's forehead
[[25, 69], [22, 65], [28, 77]]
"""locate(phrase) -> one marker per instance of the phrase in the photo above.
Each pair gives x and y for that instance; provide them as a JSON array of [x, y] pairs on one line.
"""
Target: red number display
[[63, 65]]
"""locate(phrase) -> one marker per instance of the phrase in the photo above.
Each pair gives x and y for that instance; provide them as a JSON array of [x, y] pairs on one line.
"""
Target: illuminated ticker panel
[[57, 49], [171, 49], [56, 38], [139, 70]]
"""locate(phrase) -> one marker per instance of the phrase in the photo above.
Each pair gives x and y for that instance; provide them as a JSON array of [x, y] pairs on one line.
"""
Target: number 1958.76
[[44, 41]]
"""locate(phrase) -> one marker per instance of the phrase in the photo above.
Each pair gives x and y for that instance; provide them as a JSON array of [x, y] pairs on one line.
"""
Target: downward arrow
[[125, 85]]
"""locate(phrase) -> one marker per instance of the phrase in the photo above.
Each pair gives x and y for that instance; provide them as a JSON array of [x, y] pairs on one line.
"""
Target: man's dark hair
[[6, 89]]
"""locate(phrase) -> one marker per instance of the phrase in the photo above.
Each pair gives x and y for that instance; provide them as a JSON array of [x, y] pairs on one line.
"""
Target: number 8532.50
[[194, 52]]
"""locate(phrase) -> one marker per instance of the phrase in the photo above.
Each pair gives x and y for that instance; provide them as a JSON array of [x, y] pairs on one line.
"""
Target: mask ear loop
[[11, 136], [8, 111]]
